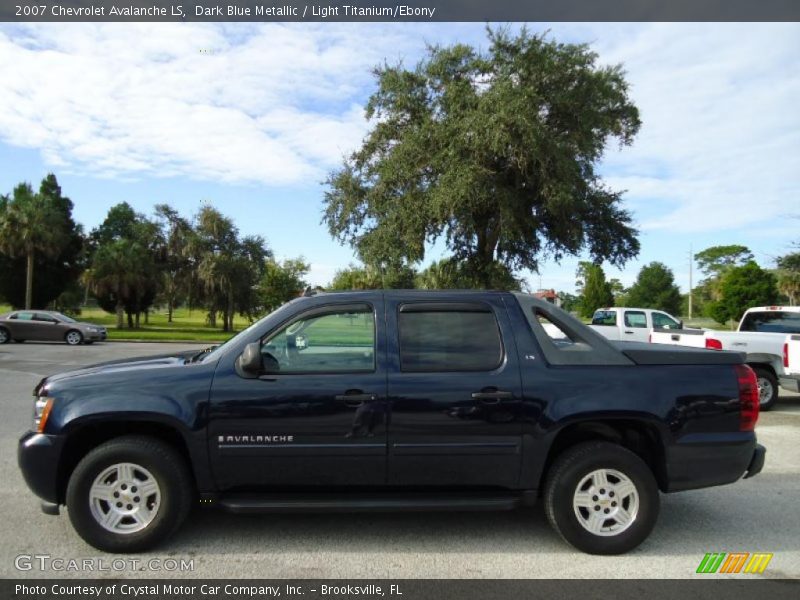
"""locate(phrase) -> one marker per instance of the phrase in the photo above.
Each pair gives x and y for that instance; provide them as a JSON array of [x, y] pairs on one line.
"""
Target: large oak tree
[[494, 152]]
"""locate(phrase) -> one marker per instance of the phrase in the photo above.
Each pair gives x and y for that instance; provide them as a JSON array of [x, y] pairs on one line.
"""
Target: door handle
[[629, 332], [355, 400], [491, 397]]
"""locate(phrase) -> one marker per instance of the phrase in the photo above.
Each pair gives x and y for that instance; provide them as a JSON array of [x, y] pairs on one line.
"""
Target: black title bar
[[701, 588], [401, 10]]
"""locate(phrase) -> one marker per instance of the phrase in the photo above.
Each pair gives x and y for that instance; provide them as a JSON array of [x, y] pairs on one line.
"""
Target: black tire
[[73, 337], [16, 341], [5, 336], [766, 379], [574, 466], [167, 467], [86, 343]]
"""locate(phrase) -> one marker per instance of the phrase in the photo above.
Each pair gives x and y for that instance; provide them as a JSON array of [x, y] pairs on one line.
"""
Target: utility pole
[[691, 264]]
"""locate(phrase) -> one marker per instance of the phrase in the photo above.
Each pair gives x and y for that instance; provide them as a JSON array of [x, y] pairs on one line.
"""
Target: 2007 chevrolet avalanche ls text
[[394, 400]]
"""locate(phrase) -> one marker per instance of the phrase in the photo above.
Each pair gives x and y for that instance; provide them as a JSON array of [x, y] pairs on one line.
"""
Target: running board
[[358, 502]]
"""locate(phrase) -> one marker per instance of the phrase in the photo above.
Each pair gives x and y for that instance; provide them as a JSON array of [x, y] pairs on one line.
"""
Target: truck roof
[[773, 309]]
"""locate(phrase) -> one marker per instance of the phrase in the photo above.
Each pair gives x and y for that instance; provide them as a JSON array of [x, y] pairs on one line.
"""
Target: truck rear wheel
[[768, 389], [601, 498], [129, 494]]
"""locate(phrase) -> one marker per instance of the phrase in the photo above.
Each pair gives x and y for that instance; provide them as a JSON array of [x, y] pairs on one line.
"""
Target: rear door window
[[635, 318], [460, 337]]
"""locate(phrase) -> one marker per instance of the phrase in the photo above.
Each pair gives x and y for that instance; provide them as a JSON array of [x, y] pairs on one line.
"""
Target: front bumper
[[38, 456], [95, 336]]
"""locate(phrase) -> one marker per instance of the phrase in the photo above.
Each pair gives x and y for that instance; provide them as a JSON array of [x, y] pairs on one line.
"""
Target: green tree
[[741, 288], [131, 283], [229, 268], [570, 302], [372, 277], [716, 260], [619, 292], [495, 153], [176, 231], [789, 276], [449, 273], [117, 272], [655, 288], [38, 228], [282, 282], [596, 292]]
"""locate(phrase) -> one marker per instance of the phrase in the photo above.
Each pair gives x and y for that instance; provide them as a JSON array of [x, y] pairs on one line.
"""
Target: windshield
[[218, 351]]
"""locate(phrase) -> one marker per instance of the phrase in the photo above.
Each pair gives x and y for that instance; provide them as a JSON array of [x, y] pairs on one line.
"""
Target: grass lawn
[[185, 326], [191, 326]]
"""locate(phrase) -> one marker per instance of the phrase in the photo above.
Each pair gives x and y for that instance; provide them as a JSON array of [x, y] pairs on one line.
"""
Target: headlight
[[41, 410], [93, 329]]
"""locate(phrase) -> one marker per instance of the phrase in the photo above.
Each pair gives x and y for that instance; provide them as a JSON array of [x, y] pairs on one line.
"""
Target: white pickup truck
[[766, 335], [632, 324]]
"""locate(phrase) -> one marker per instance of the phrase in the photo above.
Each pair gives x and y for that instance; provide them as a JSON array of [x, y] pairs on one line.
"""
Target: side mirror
[[250, 360], [680, 324]]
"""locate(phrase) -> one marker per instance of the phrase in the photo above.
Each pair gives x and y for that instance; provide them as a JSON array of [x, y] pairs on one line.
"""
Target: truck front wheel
[[129, 494], [601, 498]]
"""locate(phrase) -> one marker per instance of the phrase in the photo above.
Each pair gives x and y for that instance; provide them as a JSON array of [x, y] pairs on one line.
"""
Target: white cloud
[[720, 143], [271, 104], [281, 104]]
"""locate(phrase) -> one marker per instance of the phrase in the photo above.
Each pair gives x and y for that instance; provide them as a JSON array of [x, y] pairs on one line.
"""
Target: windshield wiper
[[202, 353]]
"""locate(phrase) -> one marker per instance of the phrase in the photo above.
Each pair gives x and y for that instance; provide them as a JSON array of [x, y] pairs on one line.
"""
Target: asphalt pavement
[[754, 515]]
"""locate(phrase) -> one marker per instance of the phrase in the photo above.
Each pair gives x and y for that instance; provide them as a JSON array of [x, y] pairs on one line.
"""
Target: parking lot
[[756, 515]]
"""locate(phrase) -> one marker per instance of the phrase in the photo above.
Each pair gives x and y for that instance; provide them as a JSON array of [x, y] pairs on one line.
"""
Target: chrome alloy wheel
[[765, 390], [4, 337], [74, 338], [606, 502], [124, 498]]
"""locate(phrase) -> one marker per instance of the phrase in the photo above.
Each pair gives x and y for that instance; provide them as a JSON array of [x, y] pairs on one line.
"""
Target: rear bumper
[[757, 462], [38, 455], [706, 460]]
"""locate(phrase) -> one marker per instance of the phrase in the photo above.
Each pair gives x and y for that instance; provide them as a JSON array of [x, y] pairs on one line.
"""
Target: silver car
[[48, 326]]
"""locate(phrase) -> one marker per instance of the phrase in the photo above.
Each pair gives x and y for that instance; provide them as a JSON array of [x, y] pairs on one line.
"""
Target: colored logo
[[735, 562]]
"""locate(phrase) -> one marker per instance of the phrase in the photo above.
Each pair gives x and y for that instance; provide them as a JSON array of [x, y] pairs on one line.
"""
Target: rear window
[[604, 317], [449, 340], [771, 322]]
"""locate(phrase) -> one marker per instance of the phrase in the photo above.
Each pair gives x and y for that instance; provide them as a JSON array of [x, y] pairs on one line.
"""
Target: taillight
[[786, 355], [748, 397], [713, 344]]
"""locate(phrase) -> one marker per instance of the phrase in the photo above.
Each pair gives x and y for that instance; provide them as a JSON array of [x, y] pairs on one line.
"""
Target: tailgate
[[791, 360], [695, 338]]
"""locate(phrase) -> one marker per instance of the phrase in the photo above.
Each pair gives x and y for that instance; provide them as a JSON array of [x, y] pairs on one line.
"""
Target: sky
[[251, 118]]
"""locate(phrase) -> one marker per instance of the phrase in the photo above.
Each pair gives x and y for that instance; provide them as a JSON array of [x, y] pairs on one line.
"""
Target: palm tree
[[117, 271], [28, 226]]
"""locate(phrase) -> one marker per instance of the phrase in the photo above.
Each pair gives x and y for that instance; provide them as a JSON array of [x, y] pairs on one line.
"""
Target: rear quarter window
[[604, 317]]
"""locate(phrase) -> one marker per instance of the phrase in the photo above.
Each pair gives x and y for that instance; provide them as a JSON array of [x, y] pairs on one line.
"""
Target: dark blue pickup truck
[[394, 400]]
